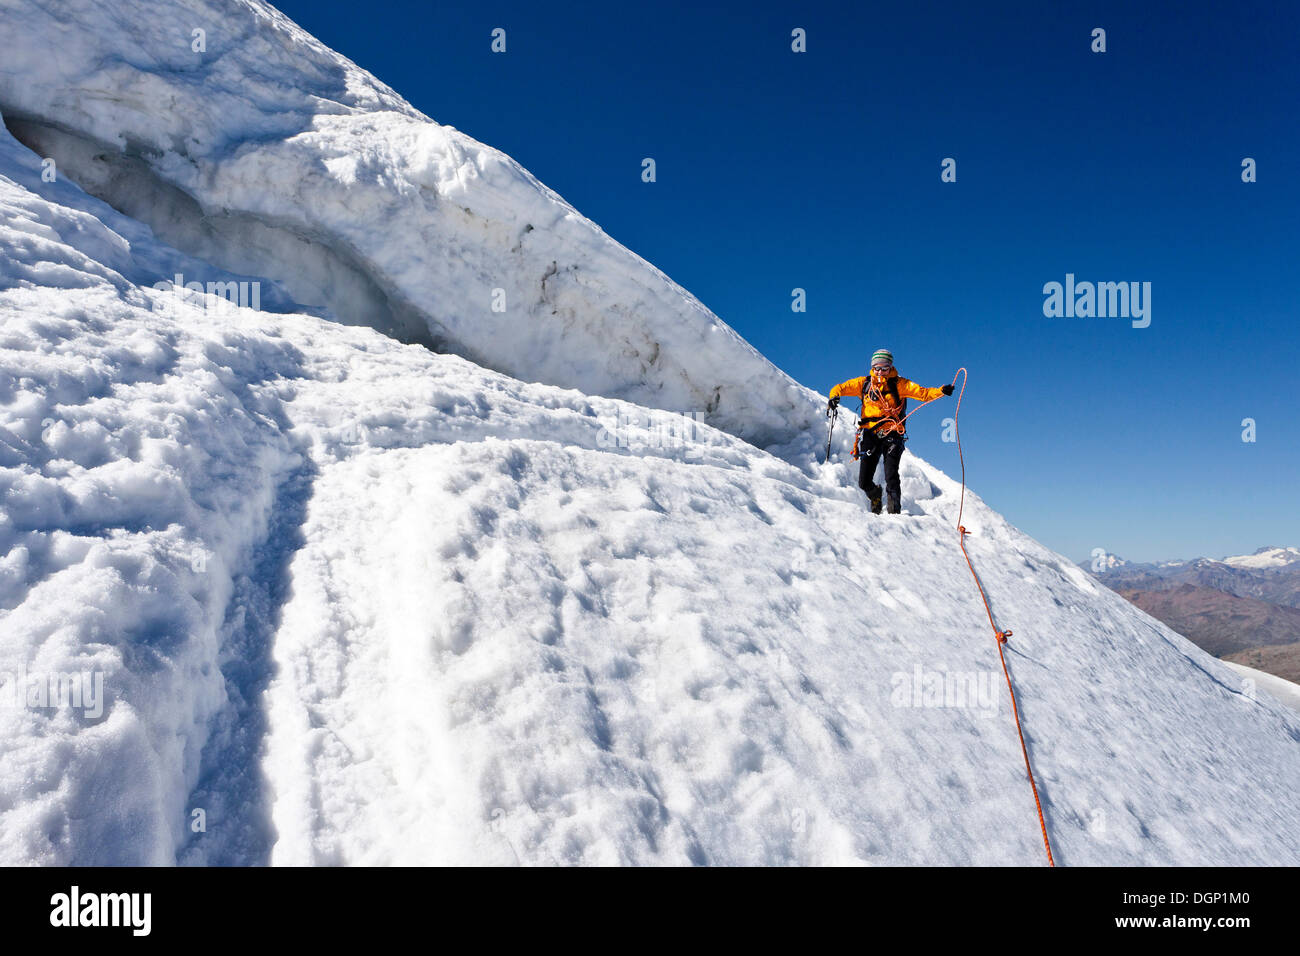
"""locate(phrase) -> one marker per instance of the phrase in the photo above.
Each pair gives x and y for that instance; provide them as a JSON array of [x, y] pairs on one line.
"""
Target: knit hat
[[882, 357]]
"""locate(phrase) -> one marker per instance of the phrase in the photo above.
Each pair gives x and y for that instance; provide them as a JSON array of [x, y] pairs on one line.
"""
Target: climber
[[881, 431]]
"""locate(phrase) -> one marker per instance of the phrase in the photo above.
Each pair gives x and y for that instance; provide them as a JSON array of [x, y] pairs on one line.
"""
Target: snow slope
[[1284, 690], [302, 591], [269, 147], [364, 603]]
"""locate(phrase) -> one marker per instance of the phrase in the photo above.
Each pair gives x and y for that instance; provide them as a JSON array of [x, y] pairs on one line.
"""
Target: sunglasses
[[882, 368]]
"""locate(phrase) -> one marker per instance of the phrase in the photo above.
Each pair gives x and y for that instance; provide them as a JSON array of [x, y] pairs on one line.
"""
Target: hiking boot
[[875, 503]]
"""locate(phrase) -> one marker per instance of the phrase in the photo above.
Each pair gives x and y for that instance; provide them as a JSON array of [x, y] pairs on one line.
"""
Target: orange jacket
[[878, 405]]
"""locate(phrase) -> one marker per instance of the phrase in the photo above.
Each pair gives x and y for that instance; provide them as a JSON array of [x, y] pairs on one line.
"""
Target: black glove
[[947, 389], [833, 404]]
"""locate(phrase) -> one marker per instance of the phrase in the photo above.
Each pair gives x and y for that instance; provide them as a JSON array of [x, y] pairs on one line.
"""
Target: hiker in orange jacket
[[881, 431]]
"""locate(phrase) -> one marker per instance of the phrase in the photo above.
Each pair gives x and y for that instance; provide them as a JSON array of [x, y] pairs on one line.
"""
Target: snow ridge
[[280, 156]]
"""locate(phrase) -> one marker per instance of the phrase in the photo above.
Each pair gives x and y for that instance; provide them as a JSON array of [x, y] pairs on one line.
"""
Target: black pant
[[872, 448]]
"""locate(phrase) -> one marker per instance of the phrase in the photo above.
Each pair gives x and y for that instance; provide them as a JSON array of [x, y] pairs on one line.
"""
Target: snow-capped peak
[[1266, 557], [1102, 561]]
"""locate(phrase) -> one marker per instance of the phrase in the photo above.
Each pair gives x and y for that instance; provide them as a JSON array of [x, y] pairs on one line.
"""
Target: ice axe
[[832, 413]]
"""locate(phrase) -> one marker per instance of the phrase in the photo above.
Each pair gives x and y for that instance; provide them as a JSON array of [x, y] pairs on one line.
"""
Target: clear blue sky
[[821, 171]]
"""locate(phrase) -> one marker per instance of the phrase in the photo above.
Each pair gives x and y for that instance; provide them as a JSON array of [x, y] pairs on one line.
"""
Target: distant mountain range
[[1219, 622], [1244, 608]]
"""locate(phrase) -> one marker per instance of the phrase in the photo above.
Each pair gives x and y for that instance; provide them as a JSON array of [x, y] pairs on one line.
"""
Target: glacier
[[368, 582], [270, 146]]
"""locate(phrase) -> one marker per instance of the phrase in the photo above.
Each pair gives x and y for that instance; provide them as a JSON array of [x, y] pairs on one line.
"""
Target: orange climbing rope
[[999, 634]]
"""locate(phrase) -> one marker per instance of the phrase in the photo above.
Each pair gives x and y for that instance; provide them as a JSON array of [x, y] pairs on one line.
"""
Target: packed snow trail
[[360, 602], [525, 649], [139, 460]]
